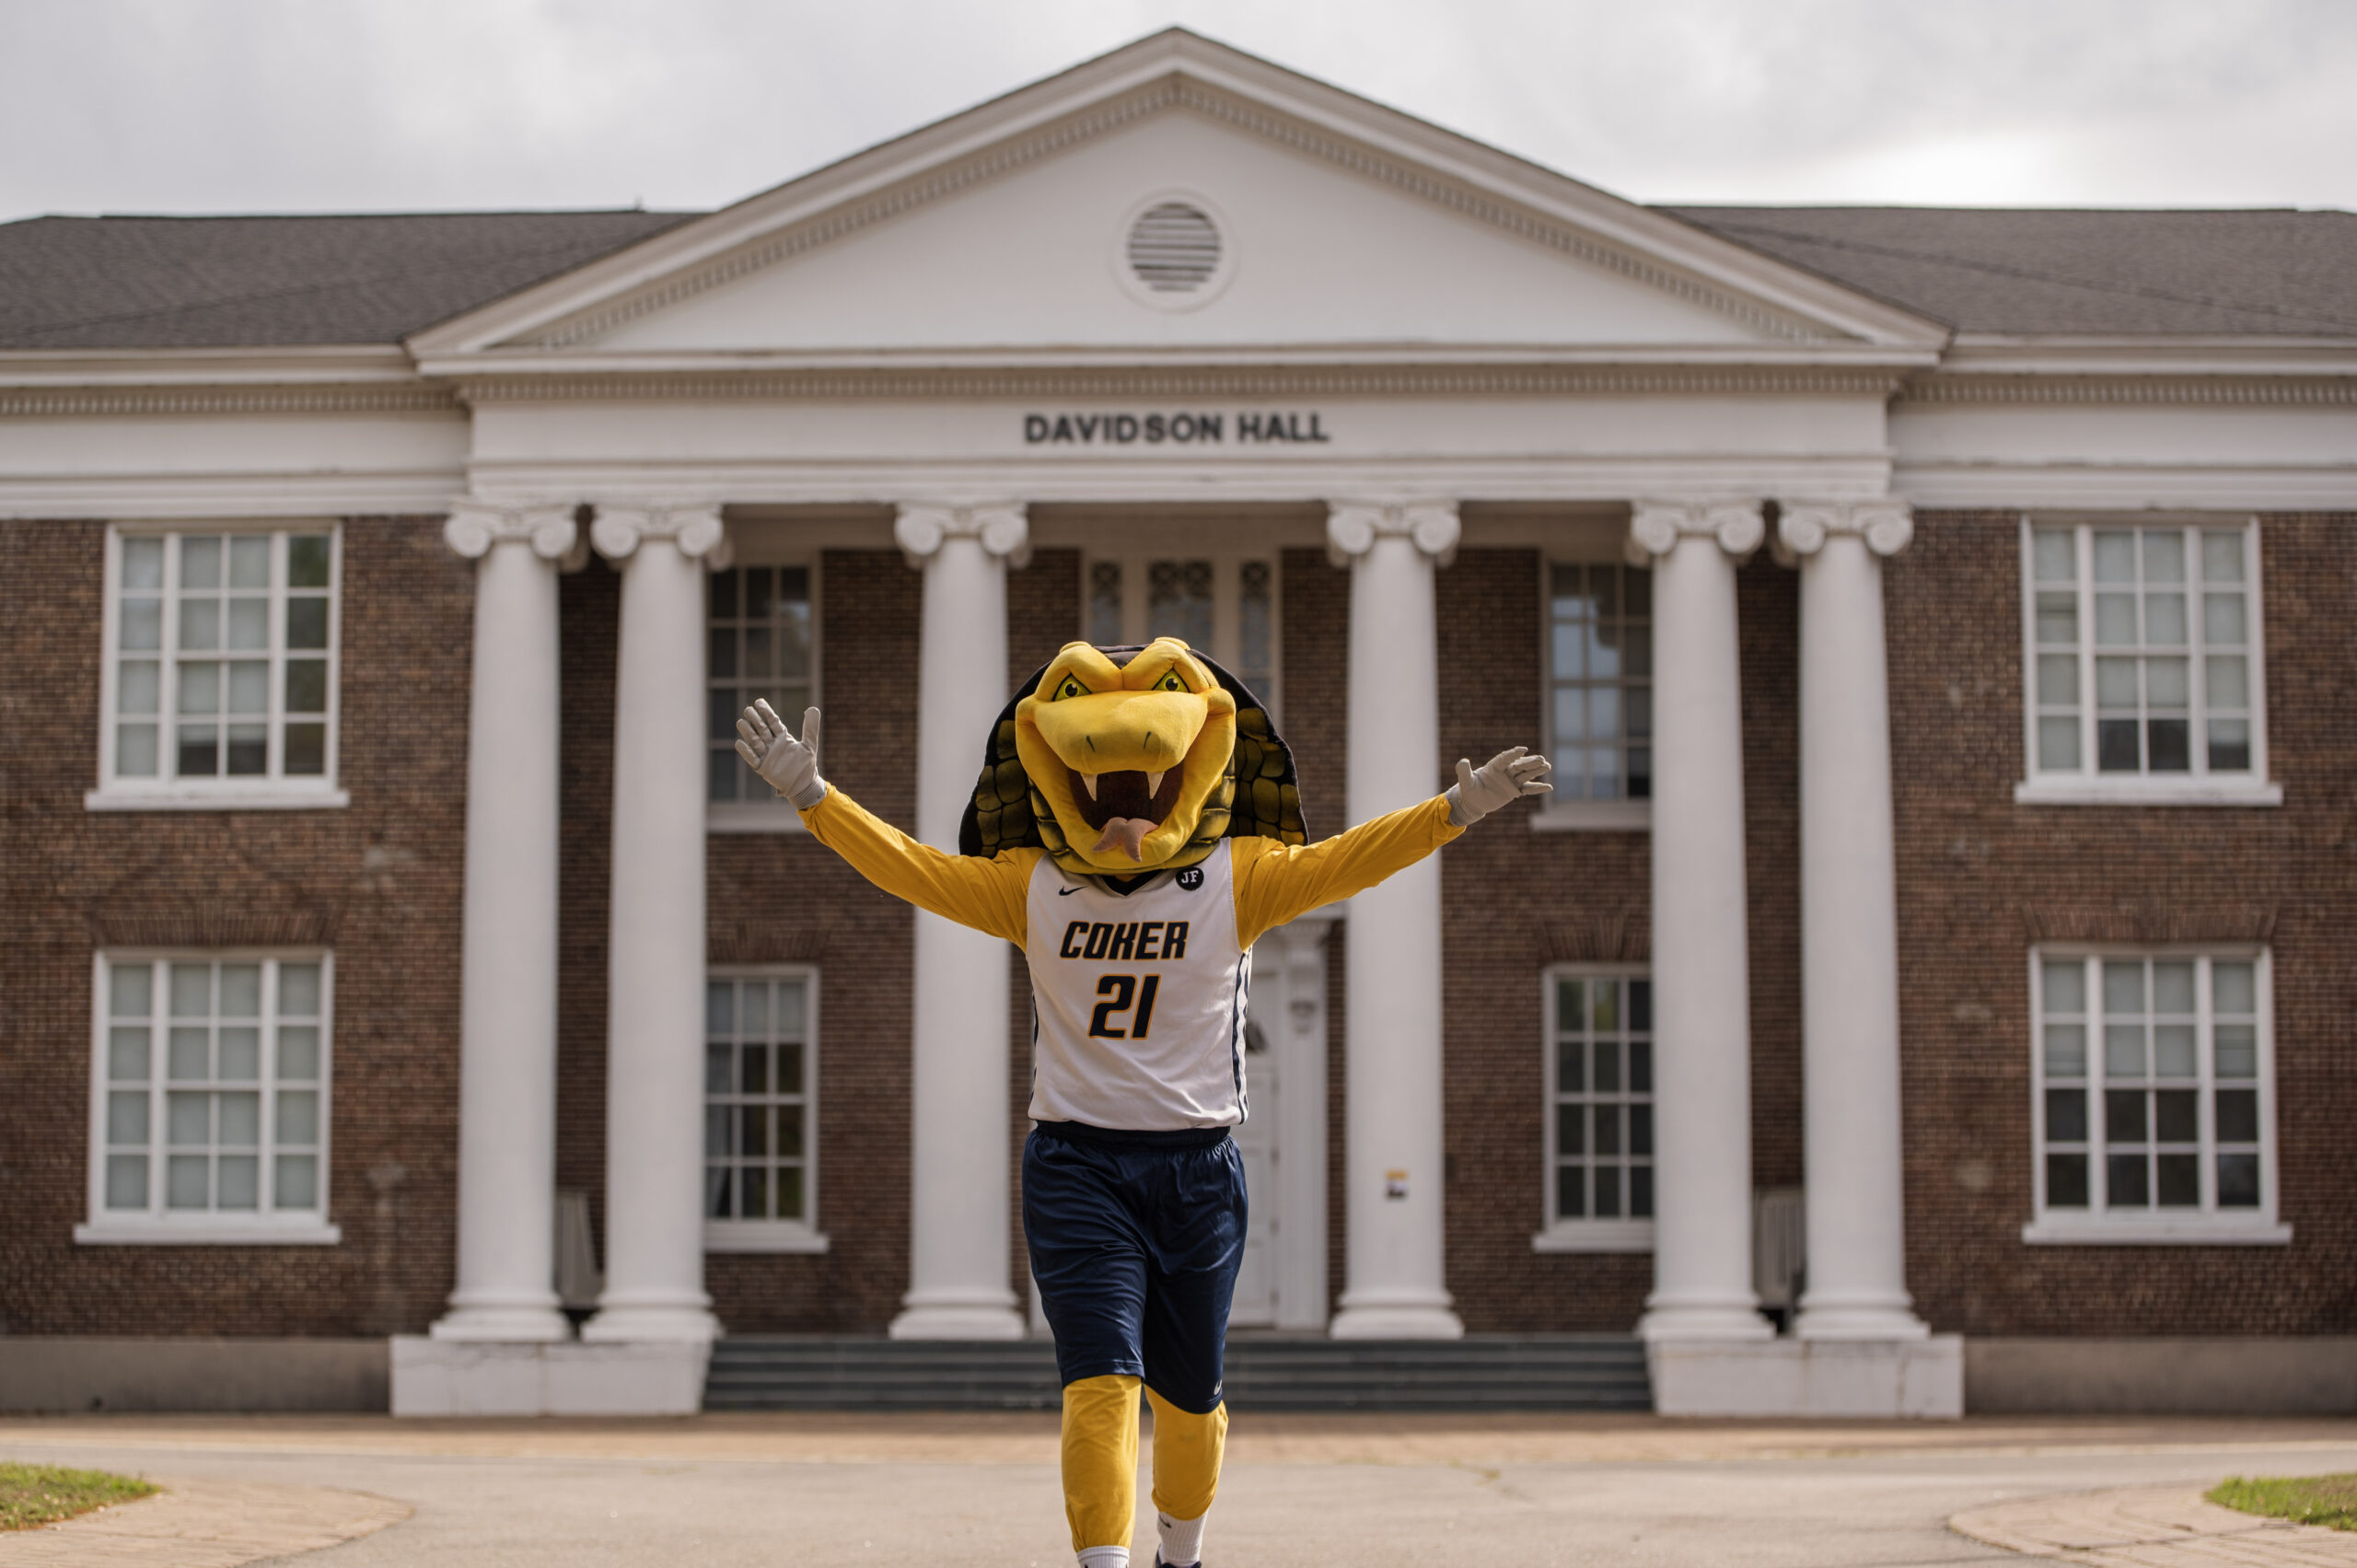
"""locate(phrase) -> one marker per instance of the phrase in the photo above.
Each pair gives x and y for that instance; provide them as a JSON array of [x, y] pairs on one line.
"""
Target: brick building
[[1930, 982]]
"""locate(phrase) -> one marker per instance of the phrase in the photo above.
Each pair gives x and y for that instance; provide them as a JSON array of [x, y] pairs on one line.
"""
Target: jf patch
[[1192, 878]]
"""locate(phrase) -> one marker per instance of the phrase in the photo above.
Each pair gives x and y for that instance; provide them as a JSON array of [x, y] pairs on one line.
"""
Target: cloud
[[292, 105]]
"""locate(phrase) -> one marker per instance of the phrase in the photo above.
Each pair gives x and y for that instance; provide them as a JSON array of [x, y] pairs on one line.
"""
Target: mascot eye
[[1169, 682], [1068, 687]]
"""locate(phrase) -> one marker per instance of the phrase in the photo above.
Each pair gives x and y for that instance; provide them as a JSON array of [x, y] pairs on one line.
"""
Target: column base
[[958, 1315], [1858, 1316], [519, 1318], [669, 1321], [1723, 1319], [451, 1377], [1396, 1315], [1915, 1378]]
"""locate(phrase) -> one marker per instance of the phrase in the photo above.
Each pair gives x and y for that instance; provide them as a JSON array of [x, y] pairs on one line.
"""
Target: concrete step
[[1594, 1371]]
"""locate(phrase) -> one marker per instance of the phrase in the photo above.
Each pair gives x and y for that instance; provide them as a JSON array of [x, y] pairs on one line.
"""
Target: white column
[[957, 1166], [656, 957], [1701, 975], [507, 986], [1393, 1199], [1857, 1265]]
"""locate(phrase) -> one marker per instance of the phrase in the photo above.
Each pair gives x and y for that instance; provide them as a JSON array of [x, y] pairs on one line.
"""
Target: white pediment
[[1343, 227]]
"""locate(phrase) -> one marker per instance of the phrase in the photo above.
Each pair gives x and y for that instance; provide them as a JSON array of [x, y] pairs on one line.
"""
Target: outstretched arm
[[987, 895], [1276, 882]]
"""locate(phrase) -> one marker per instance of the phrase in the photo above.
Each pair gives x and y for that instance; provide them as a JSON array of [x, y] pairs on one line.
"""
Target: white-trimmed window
[[1224, 605], [209, 1098], [220, 681], [1600, 716], [2142, 663], [760, 1098], [1599, 1104], [761, 628], [2155, 1106]]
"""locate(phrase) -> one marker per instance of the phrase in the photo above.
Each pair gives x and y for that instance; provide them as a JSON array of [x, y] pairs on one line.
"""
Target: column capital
[[1002, 528], [1353, 527], [1885, 524], [475, 526], [620, 528], [1656, 525]]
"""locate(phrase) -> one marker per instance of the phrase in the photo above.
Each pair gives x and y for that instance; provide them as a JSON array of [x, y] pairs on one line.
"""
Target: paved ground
[[828, 1490]]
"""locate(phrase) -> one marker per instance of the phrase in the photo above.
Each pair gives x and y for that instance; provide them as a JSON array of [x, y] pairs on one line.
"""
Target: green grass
[[33, 1496], [2304, 1499]]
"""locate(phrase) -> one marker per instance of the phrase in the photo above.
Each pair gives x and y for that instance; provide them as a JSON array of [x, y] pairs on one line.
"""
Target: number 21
[[1118, 994]]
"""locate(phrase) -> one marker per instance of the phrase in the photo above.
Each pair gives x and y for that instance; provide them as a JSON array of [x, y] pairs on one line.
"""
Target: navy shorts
[[1135, 1247]]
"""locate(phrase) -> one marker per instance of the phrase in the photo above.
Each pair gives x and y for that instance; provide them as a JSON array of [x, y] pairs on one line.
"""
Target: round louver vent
[[1174, 248]]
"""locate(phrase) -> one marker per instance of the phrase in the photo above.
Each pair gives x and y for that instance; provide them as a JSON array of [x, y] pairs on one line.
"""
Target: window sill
[[1596, 1236], [1593, 817], [2193, 1230], [2099, 792], [752, 817], [247, 798], [210, 1231], [761, 1235]]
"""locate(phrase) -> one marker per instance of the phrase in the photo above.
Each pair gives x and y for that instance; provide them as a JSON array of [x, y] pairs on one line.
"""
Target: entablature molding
[[2177, 389]]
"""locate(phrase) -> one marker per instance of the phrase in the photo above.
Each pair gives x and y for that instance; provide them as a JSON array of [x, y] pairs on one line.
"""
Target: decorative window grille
[[221, 669], [1600, 1097], [2154, 1092], [1174, 248], [2145, 654], [760, 1073], [212, 1105], [1600, 691], [1224, 606], [762, 646]]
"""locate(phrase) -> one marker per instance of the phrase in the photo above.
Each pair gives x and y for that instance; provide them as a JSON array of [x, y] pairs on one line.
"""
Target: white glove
[[789, 766], [1509, 775]]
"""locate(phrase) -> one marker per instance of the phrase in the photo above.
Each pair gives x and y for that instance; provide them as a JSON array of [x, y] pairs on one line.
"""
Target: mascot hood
[[1120, 762]]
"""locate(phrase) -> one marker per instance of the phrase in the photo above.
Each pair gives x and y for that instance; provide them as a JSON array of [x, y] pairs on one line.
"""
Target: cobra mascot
[[1135, 830]]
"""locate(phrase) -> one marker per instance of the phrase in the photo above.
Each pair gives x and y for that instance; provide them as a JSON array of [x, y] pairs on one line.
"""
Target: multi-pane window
[[2153, 1085], [1600, 1097], [1600, 686], [212, 1090], [1224, 606], [761, 644], [223, 663], [760, 1069], [2144, 653]]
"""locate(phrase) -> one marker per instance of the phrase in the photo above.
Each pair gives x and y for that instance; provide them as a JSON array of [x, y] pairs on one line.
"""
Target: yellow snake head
[[1126, 757]]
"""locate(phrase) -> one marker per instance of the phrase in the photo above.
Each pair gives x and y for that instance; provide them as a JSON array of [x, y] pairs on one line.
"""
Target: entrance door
[[1256, 1281]]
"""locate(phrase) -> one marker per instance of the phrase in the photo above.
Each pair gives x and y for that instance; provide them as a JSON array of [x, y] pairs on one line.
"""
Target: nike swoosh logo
[[1067, 893]]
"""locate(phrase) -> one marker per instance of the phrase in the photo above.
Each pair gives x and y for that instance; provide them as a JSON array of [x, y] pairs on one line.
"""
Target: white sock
[[1182, 1540], [1106, 1557]]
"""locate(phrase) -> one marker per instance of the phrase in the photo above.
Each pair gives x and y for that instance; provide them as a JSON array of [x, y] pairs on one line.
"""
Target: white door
[[1256, 1281]]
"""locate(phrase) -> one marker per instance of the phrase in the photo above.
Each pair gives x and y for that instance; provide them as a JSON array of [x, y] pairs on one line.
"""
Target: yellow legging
[[1100, 1452]]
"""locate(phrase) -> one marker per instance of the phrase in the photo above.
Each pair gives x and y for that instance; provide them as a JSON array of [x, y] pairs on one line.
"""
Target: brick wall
[[379, 882], [1979, 876]]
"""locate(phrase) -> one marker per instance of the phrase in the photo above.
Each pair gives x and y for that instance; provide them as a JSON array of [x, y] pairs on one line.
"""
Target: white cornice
[[2233, 488], [129, 496], [2076, 355], [336, 364], [183, 401], [1240, 380], [1171, 71], [2219, 392]]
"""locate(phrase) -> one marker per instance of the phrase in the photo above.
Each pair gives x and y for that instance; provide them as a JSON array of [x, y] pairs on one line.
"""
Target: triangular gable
[[1356, 226]]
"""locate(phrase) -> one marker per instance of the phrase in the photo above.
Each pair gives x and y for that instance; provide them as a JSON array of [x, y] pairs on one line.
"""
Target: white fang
[[1154, 783], [1090, 780]]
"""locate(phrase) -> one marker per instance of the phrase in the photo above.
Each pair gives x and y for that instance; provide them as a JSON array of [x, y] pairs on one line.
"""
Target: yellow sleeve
[[989, 895], [1276, 881]]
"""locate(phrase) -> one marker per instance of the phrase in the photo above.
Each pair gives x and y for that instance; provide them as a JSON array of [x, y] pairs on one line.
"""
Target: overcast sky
[[184, 106]]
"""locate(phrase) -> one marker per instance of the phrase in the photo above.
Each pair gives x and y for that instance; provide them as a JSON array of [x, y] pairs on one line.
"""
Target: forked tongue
[[1126, 834]]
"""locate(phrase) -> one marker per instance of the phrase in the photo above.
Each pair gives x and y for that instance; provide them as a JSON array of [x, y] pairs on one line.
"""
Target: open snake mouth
[[1125, 805]]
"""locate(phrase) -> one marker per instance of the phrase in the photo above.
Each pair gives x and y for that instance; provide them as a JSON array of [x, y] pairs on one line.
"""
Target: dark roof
[[254, 281], [2261, 273], [261, 281]]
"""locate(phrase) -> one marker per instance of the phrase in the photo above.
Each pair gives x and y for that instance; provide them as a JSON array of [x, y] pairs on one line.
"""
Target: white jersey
[[1137, 1002]]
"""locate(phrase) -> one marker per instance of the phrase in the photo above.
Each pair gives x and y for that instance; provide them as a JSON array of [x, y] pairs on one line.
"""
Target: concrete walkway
[[837, 1490], [207, 1524], [2156, 1526]]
